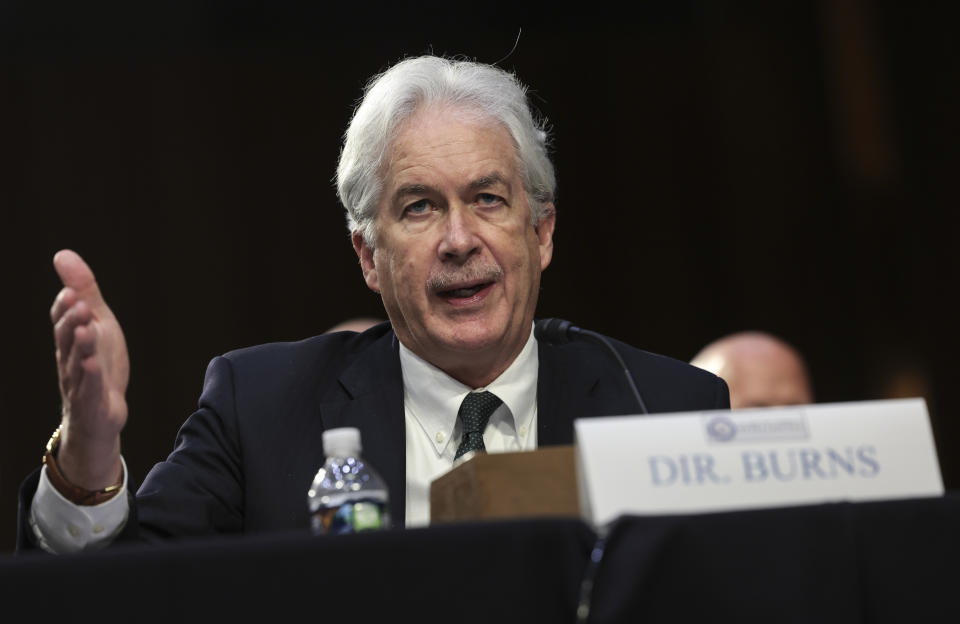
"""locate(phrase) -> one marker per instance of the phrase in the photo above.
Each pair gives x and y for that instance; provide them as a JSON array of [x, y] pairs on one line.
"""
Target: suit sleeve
[[26, 541], [198, 489]]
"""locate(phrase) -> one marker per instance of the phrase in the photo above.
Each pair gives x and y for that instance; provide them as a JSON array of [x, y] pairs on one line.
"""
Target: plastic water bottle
[[347, 494]]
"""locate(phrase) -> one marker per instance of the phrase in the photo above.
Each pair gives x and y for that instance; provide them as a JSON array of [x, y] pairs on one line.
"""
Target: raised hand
[[94, 370]]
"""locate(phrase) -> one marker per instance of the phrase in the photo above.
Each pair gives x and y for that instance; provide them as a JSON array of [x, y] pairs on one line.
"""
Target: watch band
[[75, 494]]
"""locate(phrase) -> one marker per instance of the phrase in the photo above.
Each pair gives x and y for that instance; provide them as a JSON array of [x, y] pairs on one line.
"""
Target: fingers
[[84, 342], [76, 274], [68, 329], [80, 361], [89, 393], [65, 299]]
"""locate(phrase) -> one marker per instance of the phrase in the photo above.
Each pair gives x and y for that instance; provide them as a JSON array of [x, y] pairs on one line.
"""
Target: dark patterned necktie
[[474, 413]]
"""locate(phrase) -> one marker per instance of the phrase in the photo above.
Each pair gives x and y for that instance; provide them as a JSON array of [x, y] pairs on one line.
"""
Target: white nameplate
[[696, 462]]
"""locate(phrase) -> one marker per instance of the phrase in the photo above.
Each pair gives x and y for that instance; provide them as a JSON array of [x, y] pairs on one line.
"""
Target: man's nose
[[460, 240]]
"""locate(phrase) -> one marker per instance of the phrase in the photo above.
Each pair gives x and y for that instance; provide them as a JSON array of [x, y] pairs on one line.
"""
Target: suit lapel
[[370, 398]]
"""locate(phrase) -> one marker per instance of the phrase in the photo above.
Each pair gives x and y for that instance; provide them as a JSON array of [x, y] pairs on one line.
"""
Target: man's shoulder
[[589, 352], [666, 384], [317, 359], [662, 364], [671, 385], [344, 343]]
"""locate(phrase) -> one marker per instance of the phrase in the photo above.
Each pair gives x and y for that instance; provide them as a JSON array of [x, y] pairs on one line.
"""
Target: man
[[760, 369], [449, 193]]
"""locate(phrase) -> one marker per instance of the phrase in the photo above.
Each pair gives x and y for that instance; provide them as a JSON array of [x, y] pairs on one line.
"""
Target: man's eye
[[418, 207], [489, 199]]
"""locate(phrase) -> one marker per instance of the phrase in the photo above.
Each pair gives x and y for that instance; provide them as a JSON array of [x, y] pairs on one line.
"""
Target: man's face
[[766, 380], [457, 259]]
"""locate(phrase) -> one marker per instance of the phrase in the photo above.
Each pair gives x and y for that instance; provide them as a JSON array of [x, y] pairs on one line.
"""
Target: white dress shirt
[[63, 527], [431, 401]]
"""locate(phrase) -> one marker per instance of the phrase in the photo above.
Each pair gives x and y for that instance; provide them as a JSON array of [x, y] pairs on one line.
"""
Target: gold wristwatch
[[75, 494]]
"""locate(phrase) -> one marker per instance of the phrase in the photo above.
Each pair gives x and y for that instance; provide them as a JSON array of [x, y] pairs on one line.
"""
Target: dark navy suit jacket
[[243, 462]]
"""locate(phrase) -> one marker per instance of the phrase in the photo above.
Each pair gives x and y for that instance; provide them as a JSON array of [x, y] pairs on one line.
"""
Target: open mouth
[[464, 292], [466, 285]]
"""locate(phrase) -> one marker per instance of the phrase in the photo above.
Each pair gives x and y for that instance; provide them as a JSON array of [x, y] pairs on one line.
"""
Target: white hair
[[395, 95]]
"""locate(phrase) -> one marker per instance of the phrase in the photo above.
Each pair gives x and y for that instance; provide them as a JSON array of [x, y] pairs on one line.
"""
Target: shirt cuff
[[62, 527]]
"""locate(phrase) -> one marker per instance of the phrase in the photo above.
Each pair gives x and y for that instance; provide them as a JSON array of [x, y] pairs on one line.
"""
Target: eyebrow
[[487, 181], [411, 189], [483, 182]]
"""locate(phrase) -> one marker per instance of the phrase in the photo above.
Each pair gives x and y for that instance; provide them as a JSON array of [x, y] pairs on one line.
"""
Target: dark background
[[782, 166]]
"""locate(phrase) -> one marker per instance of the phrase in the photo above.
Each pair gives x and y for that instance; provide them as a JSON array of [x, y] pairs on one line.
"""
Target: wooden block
[[507, 485]]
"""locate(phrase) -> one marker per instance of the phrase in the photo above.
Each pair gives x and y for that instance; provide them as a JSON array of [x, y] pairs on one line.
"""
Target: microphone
[[559, 332]]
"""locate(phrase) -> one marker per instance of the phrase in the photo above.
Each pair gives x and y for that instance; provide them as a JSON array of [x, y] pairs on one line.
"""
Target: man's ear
[[367, 264], [544, 230]]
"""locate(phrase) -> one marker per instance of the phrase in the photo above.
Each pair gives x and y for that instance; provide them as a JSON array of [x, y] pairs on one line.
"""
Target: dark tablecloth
[[891, 561]]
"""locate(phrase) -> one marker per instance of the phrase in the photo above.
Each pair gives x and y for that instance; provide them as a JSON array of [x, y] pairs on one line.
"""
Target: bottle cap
[[341, 442]]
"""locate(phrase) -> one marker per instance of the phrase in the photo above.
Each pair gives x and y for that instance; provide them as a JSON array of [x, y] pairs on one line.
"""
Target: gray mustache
[[476, 272]]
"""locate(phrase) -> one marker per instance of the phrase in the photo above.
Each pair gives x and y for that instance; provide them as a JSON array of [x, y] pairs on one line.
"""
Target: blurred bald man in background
[[760, 369], [359, 324]]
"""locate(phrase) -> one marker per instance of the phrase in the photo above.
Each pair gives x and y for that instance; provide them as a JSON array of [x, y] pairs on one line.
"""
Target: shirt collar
[[434, 398]]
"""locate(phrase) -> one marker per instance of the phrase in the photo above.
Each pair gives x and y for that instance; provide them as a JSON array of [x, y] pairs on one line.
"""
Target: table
[[890, 561]]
